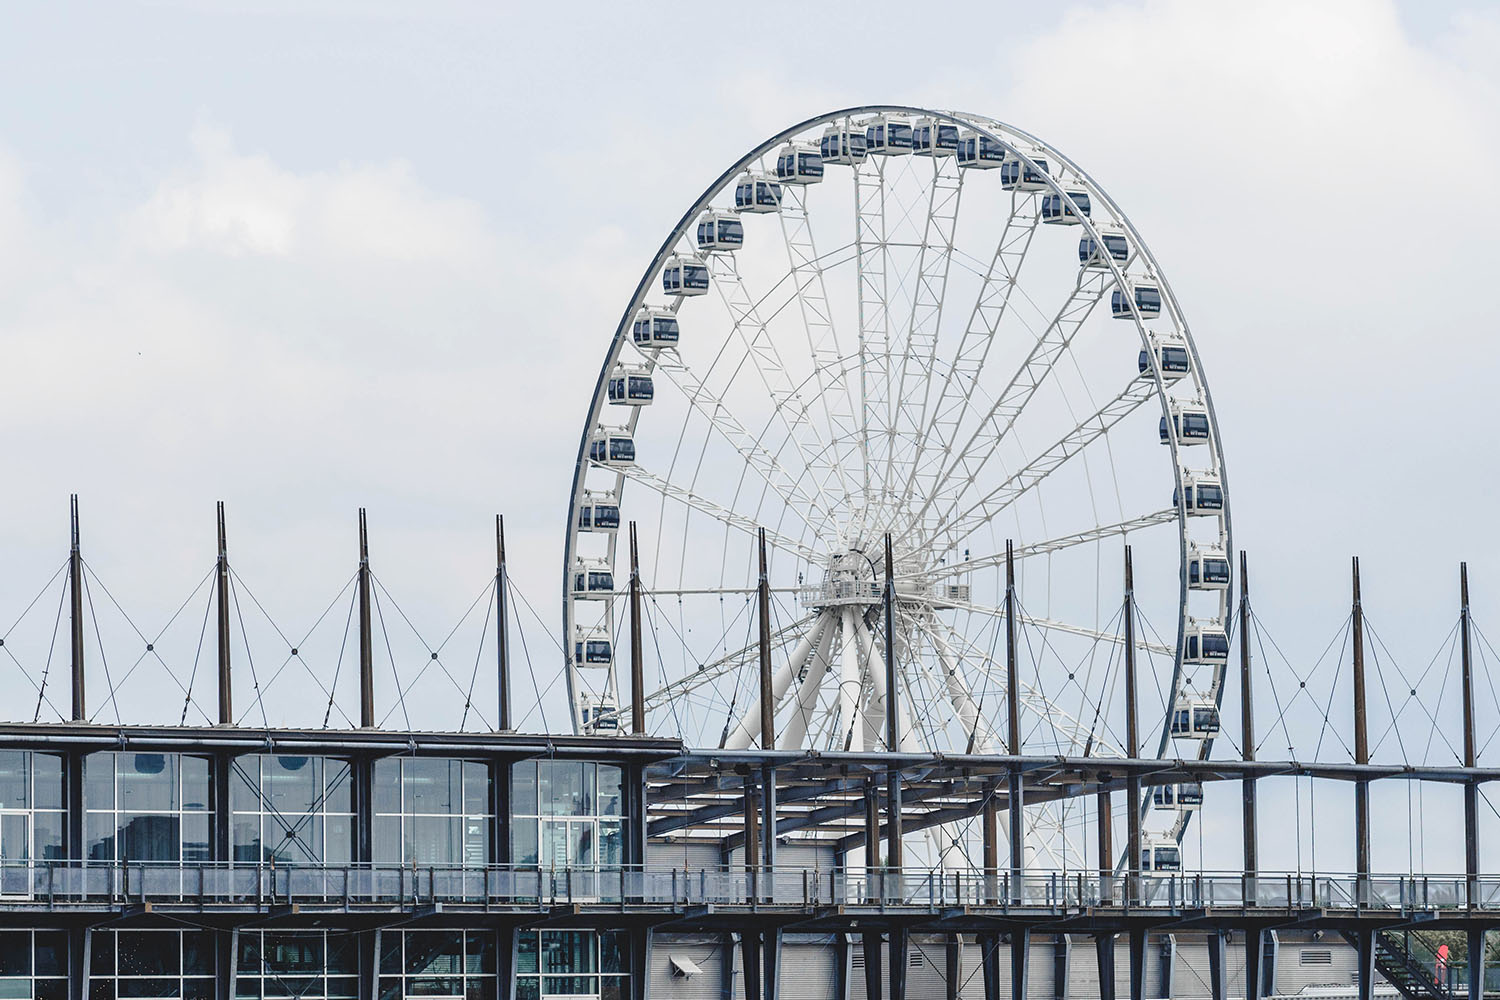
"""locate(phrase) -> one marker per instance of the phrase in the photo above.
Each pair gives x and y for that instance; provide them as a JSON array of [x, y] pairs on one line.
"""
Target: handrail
[[62, 882]]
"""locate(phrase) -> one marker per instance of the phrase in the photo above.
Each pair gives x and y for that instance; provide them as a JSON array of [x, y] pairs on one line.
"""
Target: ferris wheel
[[932, 326]]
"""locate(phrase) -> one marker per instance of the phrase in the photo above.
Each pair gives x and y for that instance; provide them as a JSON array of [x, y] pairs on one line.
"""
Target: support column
[[1104, 949], [1218, 975], [952, 966], [989, 958], [1061, 955], [369, 962], [366, 636], [505, 978], [1471, 789], [1254, 949], [226, 963], [221, 573], [873, 981], [1133, 751], [75, 615], [1366, 945], [1020, 945], [502, 627], [841, 977], [637, 653], [900, 942], [1137, 965], [1247, 733], [79, 941], [1015, 806], [1476, 964], [1361, 756], [989, 943], [1105, 819]]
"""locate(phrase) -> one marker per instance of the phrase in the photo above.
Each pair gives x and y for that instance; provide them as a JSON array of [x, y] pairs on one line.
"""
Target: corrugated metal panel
[[808, 967], [704, 952], [1339, 969], [692, 855]]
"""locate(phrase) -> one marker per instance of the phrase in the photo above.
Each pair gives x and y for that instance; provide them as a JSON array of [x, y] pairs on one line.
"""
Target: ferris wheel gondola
[[901, 350]]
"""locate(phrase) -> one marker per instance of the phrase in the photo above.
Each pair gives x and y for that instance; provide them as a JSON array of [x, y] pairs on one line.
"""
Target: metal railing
[[61, 882]]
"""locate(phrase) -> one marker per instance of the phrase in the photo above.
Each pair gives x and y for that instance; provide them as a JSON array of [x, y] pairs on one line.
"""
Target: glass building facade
[[151, 963], [553, 963], [432, 811], [34, 964], [291, 810], [567, 814], [147, 807], [31, 816]]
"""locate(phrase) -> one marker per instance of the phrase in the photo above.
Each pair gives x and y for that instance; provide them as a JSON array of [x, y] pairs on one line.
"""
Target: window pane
[[523, 788], [99, 831], [149, 953], [609, 790], [433, 840], [195, 839], [147, 782], [433, 952], [428, 786], [13, 775], [15, 953], [523, 841], [51, 953], [47, 781], [476, 788], [526, 960], [339, 841], [195, 783], [387, 835], [149, 838], [387, 782], [244, 784], [99, 781], [291, 785], [197, 953], [339, 798], [479, 953]]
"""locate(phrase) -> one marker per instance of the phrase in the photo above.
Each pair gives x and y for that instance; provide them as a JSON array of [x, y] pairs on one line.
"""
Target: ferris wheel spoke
[[794, 733], [1086, 537], [949, 484], [788, 406], [941, 422], [807, 271], [813, 510], [1060, 626], [957, 526], [872, 258], [688, 498], [979, 734], [713, 670]]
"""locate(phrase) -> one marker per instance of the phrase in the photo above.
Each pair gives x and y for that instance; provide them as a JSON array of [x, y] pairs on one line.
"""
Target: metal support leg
[[79, 940], [1061, 952], [506, 966], [726, 967], [1138, 965], [1104, 948], [771, 957], [989, 958], [1254, 944], [899, 943], [1218, 983], [1476, 965], [750, 953], [1020, 944], [369, 963], [872, 965], [953, 966], [640, 962], [1366, 941], [841, 967]]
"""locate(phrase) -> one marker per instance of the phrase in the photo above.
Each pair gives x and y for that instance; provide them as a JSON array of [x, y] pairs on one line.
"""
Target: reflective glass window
[[442, 815]]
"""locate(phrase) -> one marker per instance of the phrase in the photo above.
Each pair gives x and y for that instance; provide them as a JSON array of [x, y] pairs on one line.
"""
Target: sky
[[307, 257]]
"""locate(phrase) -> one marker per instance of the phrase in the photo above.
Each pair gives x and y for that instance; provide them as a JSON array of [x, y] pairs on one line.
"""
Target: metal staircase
[[1399, 963]]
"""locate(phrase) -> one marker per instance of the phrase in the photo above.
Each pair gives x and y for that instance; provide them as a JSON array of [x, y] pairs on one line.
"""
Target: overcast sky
[[303, 257]]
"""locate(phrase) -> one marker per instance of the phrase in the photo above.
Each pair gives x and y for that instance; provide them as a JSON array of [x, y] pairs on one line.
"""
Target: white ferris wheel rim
[[1015, 142]]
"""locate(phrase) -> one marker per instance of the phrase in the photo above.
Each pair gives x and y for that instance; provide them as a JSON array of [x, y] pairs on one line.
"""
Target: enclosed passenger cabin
[[979, 152], [1172, 358], [592, 647], [654, 329], [1190, 424], [1208, 569], [1194, 718], [930, 137], [1018, 175], [1204, 492], [600, 715], [797, 165], [1066, 209], [599, 512], [1188, 795], [593, 579], [843, 144], [614, 448], [684, 276], [1160, 856], [1138, 298], [630, 387], [1111, 245], [720, 231], [755, 193], [888, 137], [1203, 645]]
